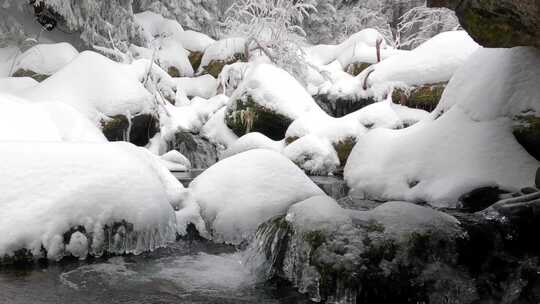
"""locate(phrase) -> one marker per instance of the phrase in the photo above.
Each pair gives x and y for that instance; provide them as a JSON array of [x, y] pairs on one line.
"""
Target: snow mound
[[117, 196], [314, 155], [12, 85], [8, 55], [276, 90], [203, 86], [46, 59], [155, 26], [434, 61], [217, 132], [241, 192], [175, 161], [470, 146], [251, 141], [48, 121], [222, 50], [96, 86], [195, 41]]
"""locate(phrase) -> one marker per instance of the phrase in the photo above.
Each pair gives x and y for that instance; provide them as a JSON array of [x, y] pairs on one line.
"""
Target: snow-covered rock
[[251, 141], [12, 85], [241, 192], [21, 120], [466, 144], [43, 60], [315, 155], [95, 198], [267, 101], [175, 161], [221, 53], [217, 131], [204, 86], [96, 86]]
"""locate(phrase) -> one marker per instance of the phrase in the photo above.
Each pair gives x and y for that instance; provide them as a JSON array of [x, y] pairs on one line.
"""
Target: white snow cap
[[470, 146], [239, 193], [46, 59], [96, 86], [88, 185]]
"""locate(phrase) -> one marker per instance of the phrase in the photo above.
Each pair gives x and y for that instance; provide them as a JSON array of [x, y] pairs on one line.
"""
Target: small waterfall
[[200, 152]]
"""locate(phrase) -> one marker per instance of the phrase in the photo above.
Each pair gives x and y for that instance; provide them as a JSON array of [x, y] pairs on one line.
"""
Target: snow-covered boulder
[[217, 132], [8, 55], [466, 144], [12, 85], [268, 101], [43, 60], [251, 141], [108, 93], [21, 120], [175, 161], [203, 86], [221, 53], [241, 192], [315, 155], [340, 256], [85, 199]]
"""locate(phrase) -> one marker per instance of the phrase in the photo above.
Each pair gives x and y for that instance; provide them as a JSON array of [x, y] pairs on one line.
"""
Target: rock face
[[200, 152], [244, 115], [527, 132], [425, 255], [340, 107], [498, 23], [424, 97], [137, 130]]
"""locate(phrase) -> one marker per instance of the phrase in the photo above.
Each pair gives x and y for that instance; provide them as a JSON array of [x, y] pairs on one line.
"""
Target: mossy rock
[[29, 73], [215, 67], [527, 132], [173, 72], [290, 140], [344, 148], [200, 151], [245, 116], [195, 59], [339, 107], [143, 127], [356, 68], [424, 97]]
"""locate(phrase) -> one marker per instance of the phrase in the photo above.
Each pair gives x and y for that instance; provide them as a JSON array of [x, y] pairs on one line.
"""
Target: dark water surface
[[195, 272]]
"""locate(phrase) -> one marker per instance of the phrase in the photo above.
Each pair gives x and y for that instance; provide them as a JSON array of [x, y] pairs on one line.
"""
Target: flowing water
[[186, 272]]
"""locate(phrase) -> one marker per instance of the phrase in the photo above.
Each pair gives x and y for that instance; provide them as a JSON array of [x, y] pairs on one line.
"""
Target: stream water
[[185, 272]]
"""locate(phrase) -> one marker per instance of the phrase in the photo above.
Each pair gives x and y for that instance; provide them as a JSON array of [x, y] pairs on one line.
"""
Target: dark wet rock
[[200, 151], [195, 59], [356, 68], [215, 67], [28, 73], [174, 72], [137, 130], [244, 115], [528, 190], [498, 23], [537, 179], [424, 97], [527, 132], [481, 198], [339, 107], [344, 148]]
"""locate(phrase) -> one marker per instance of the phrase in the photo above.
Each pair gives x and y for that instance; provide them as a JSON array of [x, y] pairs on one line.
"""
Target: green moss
[[247, 116], [344, 148], [31, 74], [290, 140], [488, 29], [527, 132], [215, 67], [425, 97], [195, 59], [356, 68]]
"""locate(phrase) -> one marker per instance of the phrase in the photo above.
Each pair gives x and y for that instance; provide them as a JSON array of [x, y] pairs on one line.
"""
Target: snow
[[21, 120], [195, 41], [314, 155], [216, 130], [7, 57], [241, 192], [277, 90], [321, 213], [14, 84], [223, 50], [251, 141], [88, 185], [434, 61], [154, 26], [46, 59], [203, 86], [192, 117], [175, 161], [96, 86], [470, 146]]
